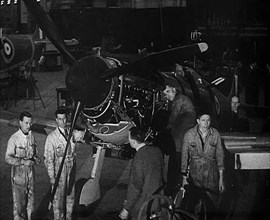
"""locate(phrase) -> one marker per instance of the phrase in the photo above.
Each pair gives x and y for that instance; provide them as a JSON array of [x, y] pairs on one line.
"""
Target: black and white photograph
[[134, 109]]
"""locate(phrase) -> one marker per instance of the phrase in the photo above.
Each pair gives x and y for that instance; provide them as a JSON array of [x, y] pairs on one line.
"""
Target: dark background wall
[[133, 28]]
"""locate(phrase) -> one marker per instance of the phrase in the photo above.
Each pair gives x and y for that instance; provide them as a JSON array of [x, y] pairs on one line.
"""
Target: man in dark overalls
[[182, 117]]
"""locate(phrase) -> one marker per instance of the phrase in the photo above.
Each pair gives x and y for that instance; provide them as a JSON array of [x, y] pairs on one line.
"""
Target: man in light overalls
[[54, 149], [21, 153]]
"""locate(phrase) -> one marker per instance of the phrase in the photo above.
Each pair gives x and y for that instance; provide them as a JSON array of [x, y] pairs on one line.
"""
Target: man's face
[[235, 104], [61, 120], [204, 121], [25, 124], [170, 93]]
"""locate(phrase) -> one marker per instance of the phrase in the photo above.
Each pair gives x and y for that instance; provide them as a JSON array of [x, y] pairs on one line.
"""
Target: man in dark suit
[[146, 174]]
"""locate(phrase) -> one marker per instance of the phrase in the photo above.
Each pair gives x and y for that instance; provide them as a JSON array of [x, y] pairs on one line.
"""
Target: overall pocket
[[59, 150], [19, 176], [193, 149], [20, 152]]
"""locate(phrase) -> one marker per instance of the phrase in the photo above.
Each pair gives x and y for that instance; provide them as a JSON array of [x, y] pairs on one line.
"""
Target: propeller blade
[[49, 28], [157, 60], [75, 115]]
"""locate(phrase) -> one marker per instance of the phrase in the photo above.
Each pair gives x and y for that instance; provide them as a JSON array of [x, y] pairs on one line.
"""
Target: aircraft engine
[[111, 106], [140, 97]]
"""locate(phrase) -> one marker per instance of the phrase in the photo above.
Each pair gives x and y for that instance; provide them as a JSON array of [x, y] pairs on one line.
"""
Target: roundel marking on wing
[[217, 106], [7, 49], [8, 52]]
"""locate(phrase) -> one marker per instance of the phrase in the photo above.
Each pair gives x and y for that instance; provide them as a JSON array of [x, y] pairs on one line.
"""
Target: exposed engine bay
[[130, 101]]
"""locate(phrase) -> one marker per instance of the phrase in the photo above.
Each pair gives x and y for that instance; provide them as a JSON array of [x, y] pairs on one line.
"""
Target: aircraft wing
[[251, 151], [239, 142], [153, 61]]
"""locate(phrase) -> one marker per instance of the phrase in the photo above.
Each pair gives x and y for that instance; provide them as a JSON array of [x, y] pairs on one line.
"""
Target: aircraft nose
[[84, 81]]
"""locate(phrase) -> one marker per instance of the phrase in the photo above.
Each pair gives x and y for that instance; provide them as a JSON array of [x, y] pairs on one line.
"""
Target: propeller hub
[[85, 83]]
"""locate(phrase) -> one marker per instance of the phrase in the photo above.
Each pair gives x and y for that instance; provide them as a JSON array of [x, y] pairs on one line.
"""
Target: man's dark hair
[[172, 84], [137, 134], [25, 114], [203, 112], [61, 110]]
